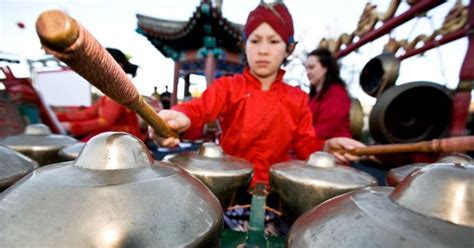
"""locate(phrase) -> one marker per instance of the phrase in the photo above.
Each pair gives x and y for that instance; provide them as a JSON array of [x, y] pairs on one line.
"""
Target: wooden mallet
[[454, 144], [67, 40]]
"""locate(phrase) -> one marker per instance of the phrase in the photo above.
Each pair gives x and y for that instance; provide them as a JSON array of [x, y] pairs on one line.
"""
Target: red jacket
[[104, 115], [331, 113], [257, 125]]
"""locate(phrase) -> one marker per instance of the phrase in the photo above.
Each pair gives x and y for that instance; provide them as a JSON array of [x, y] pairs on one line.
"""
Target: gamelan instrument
[[13, 166], [113, 195], [430, 208], [38, 143], [396, 175], [223, 174], [302, 185]]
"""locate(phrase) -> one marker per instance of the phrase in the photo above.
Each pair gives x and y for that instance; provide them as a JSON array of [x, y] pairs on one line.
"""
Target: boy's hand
[[335, 145], [177, 121]]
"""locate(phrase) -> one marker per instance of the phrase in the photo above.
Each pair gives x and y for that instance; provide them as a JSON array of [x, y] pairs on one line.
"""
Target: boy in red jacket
[[261, 116]]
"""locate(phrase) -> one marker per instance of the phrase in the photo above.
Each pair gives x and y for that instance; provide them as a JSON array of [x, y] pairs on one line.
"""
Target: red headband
[[276, 15]]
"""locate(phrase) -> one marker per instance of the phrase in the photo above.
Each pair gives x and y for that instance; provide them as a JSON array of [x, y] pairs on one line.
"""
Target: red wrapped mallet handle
[[71, 43]]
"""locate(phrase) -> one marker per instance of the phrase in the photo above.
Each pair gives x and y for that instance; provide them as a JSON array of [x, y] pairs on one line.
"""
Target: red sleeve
[[333, 116], [78, 115], [305, 141], [108, 113], [206, 108]]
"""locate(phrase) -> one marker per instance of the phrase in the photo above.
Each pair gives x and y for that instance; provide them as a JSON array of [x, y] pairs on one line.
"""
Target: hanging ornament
[[21, 25]]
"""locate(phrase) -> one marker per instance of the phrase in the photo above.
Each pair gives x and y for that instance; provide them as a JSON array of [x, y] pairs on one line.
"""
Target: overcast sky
[[113, 23]]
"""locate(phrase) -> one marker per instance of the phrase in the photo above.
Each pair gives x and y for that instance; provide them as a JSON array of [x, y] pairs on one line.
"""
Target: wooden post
[[210, 67], [187, 84], [174, 95], [462, 95]]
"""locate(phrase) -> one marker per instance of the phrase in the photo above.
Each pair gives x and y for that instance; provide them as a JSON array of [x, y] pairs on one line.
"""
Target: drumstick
[[455, 144], [67, 40]]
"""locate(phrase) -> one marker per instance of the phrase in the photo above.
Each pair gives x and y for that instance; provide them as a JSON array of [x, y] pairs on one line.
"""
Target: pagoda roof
[[205, 25]]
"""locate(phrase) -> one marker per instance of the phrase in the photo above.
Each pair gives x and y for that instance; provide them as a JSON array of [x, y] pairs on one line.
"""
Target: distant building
[[206, 44]]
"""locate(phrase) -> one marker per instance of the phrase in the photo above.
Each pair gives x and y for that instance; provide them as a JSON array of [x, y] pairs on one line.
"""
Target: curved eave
[[167, 35], [162, 25]]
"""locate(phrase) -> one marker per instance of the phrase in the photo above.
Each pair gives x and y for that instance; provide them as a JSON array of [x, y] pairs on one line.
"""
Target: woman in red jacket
[[260, 115], [329, 101]]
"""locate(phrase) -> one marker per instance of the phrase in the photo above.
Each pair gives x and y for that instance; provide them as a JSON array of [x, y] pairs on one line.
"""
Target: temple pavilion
[[206, 44]]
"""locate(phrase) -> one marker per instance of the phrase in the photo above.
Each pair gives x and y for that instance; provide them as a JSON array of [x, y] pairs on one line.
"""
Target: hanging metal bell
[[38, 143], [113, 195], [411, 112], [223, 174], [301, 185], [432, 207], [13, 166], [379, 74]]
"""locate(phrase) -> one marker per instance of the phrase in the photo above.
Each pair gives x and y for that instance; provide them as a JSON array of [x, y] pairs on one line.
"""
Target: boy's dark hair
[[332, 75]]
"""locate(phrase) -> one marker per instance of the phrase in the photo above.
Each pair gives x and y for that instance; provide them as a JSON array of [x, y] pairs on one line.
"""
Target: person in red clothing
[[329, 101], [261, 116], [105, 114]]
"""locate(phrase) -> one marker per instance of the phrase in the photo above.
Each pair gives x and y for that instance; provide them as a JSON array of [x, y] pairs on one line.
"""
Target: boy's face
[[265, 51]]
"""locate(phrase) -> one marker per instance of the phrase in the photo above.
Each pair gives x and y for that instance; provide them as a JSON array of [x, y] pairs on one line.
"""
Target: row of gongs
[[21, 154], [222, 174], [109, 175]]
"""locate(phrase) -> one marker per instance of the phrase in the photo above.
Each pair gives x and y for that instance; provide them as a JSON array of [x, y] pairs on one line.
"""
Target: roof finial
[[218, 4]]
